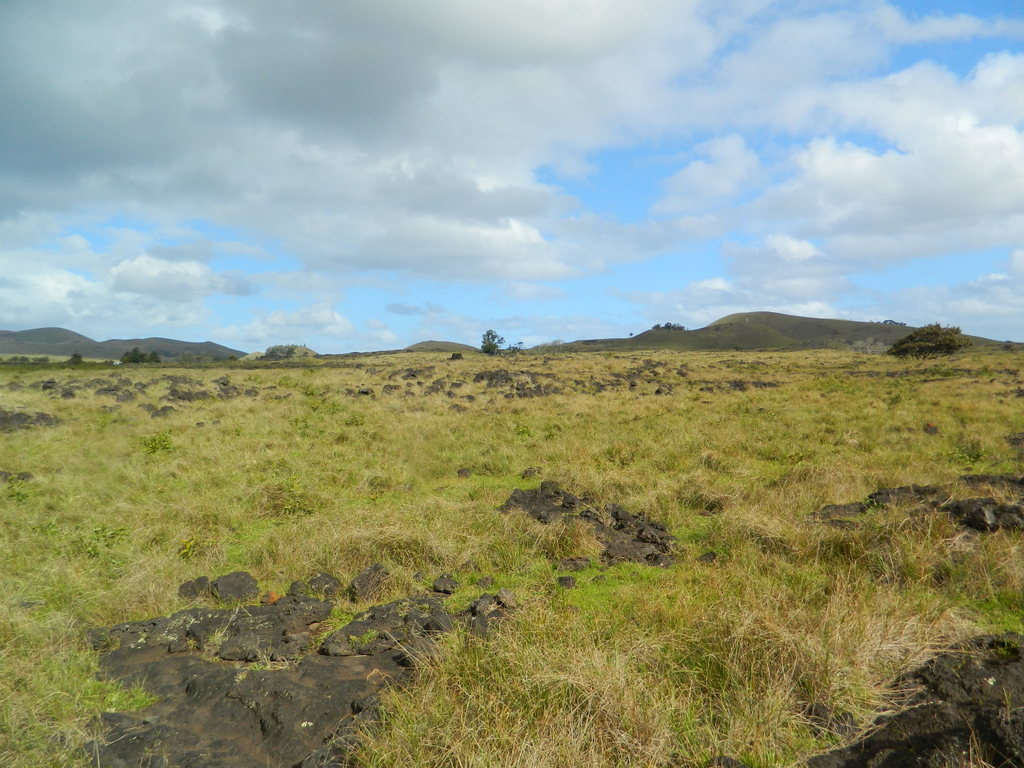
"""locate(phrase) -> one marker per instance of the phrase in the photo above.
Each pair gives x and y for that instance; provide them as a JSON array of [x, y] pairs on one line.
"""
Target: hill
[[440, 346], [763, 330], [60, 342]]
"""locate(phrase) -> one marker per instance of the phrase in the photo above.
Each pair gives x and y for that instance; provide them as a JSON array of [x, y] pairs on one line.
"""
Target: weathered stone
[[324, 584], [566, 582], [446, 585], [233, 715], [986, 514], [199, 587], [369, 584], [624, 536], [238, 585], [10, 420], [506, 599], [968, 701]]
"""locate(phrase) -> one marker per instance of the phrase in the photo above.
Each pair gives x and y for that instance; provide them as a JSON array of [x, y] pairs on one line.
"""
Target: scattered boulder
[[198, 587], [369, 584], [968, 701], [463, 472], [18, 477], [984, 514], [325, 585], [708, 557], [235, 586], [624, 536], [566, 582], [445, 585], [187, 395], [11, 420], [530, 472]]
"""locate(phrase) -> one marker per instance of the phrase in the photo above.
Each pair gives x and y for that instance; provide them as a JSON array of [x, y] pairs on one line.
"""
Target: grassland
[[638, 668]]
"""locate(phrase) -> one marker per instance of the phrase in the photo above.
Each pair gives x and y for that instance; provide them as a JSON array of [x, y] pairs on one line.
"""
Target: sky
[[357, 176]]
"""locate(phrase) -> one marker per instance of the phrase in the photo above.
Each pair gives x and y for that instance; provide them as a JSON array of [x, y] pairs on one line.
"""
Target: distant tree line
[[136, 355], [668, 327]]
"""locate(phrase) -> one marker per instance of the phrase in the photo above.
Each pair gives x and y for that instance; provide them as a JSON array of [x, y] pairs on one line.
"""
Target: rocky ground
[[266, 684]]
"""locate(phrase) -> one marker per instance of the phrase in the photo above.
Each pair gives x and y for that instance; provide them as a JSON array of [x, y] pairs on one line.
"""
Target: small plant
[[190, 548], [157, 443]]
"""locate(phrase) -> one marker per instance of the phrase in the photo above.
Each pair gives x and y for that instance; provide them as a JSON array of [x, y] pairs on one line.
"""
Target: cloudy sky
[[365, 175]]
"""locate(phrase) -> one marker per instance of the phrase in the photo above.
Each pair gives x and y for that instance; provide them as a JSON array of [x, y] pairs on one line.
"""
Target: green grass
[[635, 666]]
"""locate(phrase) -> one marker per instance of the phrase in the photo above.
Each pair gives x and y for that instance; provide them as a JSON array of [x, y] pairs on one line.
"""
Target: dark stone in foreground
[[219, 703], [624, 536], [369, 584], [18, 477], [235, 586], [970, 702], [446, 585]]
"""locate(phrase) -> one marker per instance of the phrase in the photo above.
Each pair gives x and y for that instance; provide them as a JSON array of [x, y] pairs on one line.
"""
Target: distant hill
[[60, 342], [763, 330], [440, 346]]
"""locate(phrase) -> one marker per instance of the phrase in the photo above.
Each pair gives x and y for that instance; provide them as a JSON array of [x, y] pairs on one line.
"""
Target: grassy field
[[285, 471]]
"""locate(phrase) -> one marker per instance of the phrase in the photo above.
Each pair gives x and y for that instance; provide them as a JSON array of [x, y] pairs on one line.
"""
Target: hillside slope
[[763, 330], [60, 342]]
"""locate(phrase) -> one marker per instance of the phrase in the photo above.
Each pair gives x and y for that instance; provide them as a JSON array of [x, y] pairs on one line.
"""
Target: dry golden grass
[[635, 669]]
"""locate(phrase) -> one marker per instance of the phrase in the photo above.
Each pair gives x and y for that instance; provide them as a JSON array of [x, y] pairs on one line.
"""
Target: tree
[[491, 343], [134, 355], [153, 357], [75, 358], [930, 341]]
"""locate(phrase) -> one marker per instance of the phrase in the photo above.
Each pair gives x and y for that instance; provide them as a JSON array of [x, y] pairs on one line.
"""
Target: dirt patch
[[624, 536], [258, 685], [964, 704]]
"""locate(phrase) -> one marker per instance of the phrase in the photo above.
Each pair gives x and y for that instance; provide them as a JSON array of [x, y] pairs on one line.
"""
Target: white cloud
[[172, 280], [726, 173], [290, 327], [533, 292]]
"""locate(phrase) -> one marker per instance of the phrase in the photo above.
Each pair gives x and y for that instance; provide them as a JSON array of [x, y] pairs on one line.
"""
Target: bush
[[930, 341]]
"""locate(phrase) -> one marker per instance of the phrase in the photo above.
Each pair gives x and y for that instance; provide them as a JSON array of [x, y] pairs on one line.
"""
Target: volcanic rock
[[968, 701], [235, 586], [369, 583], [623, 535]]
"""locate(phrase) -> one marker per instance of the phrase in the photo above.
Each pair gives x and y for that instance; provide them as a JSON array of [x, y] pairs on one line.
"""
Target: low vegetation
[[930, 341], [149, 476]]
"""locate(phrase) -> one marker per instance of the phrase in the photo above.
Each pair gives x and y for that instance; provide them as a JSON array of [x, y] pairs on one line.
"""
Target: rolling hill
[[60, 342], [763, 330]]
